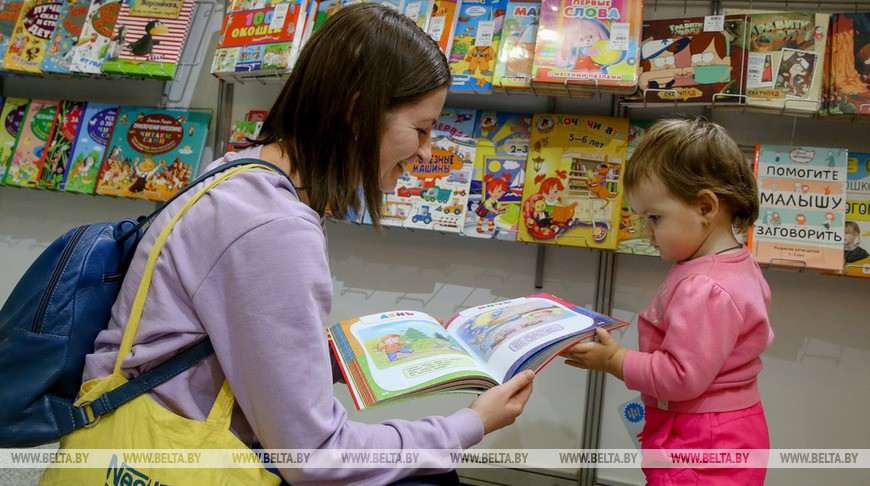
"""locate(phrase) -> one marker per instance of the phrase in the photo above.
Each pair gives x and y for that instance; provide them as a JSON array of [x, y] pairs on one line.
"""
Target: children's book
[[419, 11], [58, 55], [803, 207], [631, 238], [242, 131], [11, 114], [693, 59], [848, 75], [398, 355], [455, 122], [259, 38], [148, 38], [513, 68], [786, 60], [573, 185], [475, 46], [499, 174], [433, 194], [442, 23], [97, 33], [30, 36], [590, 47], [60, 144], [89, 149], [855, 254], [152, 153], [35, 130], [9, 12]]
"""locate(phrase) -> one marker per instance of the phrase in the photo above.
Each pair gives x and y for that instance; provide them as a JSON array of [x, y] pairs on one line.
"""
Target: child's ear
[[708, 204]]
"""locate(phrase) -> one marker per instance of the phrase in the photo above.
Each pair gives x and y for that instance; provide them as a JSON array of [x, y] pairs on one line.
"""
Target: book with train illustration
[[397, 355]]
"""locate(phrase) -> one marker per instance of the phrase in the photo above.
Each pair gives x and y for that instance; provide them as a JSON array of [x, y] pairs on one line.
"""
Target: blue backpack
[[50, 322]]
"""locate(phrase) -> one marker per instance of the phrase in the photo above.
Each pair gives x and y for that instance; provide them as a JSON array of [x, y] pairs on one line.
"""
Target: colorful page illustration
[[89, 149], [475, 46]]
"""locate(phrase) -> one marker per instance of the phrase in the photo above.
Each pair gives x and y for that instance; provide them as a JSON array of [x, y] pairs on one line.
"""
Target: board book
[[857, 230], [393, 356], [573, 185], [35, 130], [148, 38], [802, 191], [152, 153], [89, 149]]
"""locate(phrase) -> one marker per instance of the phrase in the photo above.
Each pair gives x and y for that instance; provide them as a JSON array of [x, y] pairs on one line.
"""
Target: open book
[[398, 355]]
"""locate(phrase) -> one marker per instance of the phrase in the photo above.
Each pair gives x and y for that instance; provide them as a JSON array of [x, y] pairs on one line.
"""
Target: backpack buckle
[[89, 413]]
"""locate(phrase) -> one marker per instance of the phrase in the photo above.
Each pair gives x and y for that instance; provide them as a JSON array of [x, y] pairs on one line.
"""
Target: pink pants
[[740, 429]]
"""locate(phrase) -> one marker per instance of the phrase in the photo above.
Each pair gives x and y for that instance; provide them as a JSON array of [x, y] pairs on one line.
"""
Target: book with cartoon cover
[[573, 185], [802, 191], [475, 46], [631, 238], [148, 38], [97, 32], [35, 130], [11, 114], [89, 149], [856, 238], [397, 355], [30, 36], [848, 66], [9, 11], [513, 67], [59, 146], [58, 55], [152, 152]]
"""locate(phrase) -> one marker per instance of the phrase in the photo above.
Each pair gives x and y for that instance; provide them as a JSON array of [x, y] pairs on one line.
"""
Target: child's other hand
[[605, 355]]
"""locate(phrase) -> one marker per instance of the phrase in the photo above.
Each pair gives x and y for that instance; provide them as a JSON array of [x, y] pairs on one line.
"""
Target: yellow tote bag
[[145, 425]]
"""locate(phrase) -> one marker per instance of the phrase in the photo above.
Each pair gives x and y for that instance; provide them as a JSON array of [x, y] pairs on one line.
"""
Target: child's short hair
[[852, 227], [688, 156]]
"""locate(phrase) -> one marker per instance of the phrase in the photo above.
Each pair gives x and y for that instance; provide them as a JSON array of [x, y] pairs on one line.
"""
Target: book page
[[504, 335]]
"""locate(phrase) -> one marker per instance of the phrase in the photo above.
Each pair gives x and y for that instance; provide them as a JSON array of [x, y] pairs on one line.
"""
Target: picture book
[[848, 74], [419, 11], [9, 12], [89, 148], [693, 59], [398, 355], [499, 172], [59, 147], [29, 155], [152, 153], [259, 39], [433, 194], [58, 55], [242, 131], [855, 254], [573, 185], [592, 47], [442, 23], [455, 122], [148, 38], [97, 33], [30, 36], [475, 45], [786, 60], [803, 207], [10, 124], [631, 238], [513, 67]]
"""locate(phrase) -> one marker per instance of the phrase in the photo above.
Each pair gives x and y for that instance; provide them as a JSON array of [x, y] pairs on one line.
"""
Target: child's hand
[[605, 355]]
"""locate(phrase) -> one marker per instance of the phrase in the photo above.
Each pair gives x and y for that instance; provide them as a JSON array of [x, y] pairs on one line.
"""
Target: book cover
[[148, 38], [857, 259], [9, 12], [442, 23], [786, 60], [10, 124], [513, 67], [59, 147], [243, 130], [455, 122], [475, 45], [583, 43], [803, 207], [849, 65], [631, 238], [573, 185], [262, 40], [89, 149], [34, 133], [693, 59], [433, 194], [152, 153], [58, 55], [397, 355], [30, 36], [97, 33], [499, 173], [419, 11]]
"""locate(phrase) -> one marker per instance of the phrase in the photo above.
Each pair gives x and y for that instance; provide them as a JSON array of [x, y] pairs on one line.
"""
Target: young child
[[702, 337]]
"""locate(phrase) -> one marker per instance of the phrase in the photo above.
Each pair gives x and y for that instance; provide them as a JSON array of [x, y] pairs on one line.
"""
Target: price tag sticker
[[412, 10], [485, 32], [619, 33], [279, 15], [436, 27], [714, 23]]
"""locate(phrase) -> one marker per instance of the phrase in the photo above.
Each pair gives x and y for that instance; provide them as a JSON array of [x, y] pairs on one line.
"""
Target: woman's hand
[[500, 406]]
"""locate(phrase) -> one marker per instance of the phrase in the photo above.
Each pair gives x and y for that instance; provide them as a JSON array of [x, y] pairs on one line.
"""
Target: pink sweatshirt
[[702, 337], [248, 266]]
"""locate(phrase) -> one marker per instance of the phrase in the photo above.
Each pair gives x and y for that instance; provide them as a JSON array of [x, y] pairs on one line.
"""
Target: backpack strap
[[88, 414]]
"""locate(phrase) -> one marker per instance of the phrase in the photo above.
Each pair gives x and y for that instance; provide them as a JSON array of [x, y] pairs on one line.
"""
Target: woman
[[248, 265]]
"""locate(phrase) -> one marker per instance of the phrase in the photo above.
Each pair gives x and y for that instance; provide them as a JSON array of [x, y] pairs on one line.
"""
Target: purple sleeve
[[702, 330], [263, 305]]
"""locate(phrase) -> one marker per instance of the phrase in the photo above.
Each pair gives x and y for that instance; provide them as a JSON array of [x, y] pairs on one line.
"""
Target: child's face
[[851, 239], [674, 228]]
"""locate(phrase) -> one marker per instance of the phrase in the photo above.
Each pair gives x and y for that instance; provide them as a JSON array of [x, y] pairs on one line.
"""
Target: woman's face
[[408, 136]]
